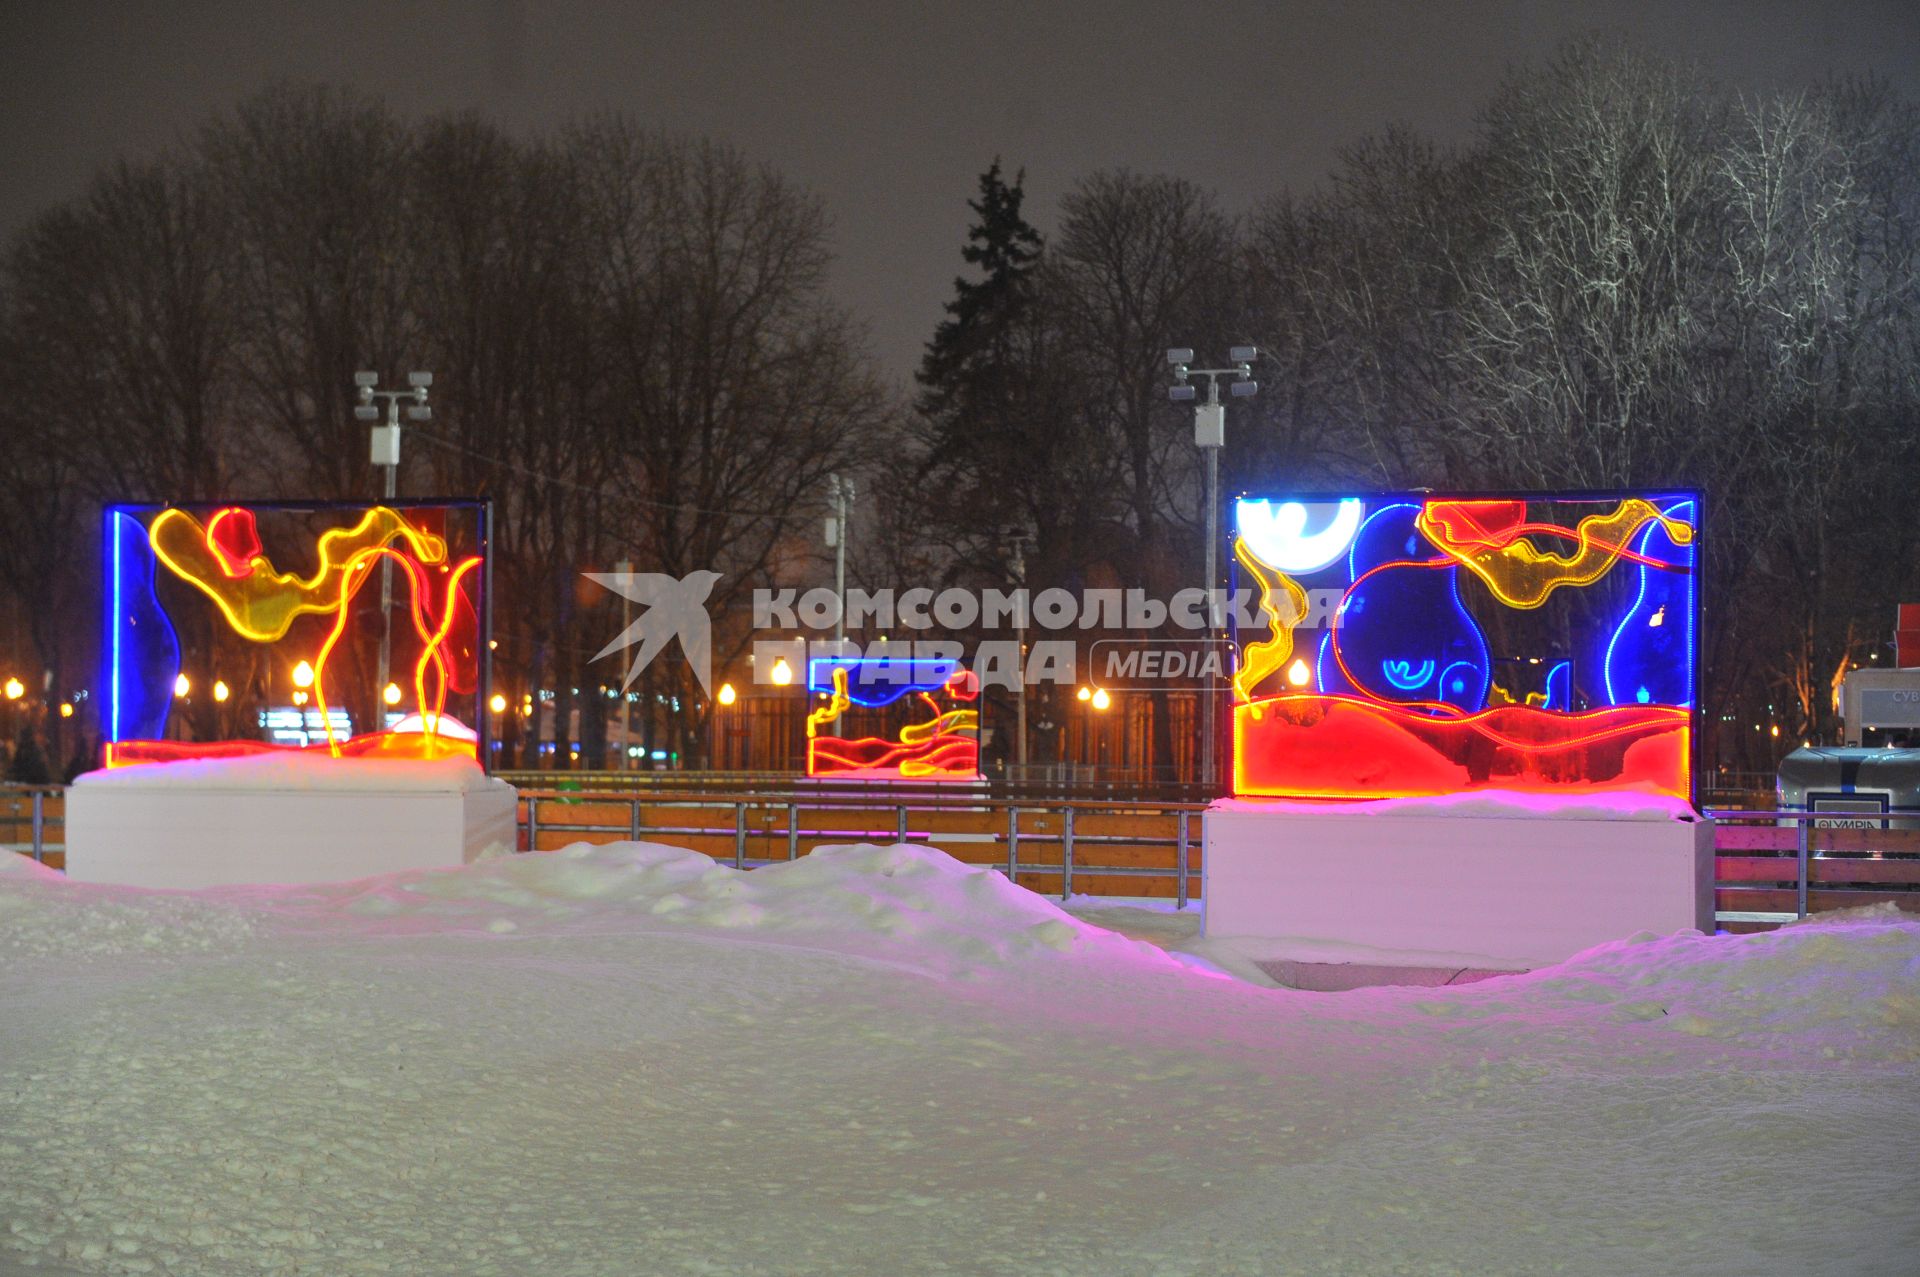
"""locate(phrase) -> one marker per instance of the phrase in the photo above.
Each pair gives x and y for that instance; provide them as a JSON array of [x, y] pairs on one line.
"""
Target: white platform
[[1521, 891], [198, 837]]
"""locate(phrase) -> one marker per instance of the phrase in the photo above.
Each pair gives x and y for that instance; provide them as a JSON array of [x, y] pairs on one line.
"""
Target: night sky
[[889, 111]]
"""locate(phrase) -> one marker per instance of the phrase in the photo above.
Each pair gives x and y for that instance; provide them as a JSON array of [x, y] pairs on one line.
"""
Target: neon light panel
[[214, 570], [1542, 643], [943, 746]]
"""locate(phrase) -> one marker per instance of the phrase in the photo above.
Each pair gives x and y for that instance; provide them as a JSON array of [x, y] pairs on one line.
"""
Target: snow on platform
[[631, 1059]]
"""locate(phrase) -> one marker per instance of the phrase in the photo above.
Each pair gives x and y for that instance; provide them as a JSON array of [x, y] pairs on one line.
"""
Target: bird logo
[[670, 607]]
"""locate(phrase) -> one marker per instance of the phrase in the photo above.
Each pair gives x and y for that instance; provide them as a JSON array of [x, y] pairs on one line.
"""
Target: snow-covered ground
[[876, 1060]]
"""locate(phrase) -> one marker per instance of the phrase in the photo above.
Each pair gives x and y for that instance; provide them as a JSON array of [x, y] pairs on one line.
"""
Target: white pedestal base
[[192, 837], [1523, 892]]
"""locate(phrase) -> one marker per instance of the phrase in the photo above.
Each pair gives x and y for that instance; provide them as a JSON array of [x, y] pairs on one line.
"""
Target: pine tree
[[963, 375]]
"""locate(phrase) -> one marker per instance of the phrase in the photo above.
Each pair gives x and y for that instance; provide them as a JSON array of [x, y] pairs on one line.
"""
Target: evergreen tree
[[963, 374]]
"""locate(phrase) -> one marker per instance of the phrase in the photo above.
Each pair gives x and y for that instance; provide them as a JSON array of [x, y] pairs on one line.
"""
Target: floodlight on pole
[[386, 454], [1210, 435]]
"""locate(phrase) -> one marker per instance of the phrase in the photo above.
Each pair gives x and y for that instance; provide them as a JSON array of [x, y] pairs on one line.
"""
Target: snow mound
[[43, 914], [301, 771], [910, 905], [1848, 985]]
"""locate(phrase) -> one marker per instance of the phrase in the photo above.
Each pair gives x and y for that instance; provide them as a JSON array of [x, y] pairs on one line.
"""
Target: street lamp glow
[[1298, 673], [1085, 693], [299, 698], [391, 694], [303, 675], [498, 704], [66, 709], [782, 673], [221, 691], [1100, 698], [15, 689], [727, 694], [181, 686]]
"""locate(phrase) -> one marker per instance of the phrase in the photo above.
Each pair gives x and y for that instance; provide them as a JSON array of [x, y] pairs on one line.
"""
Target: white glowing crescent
[[1277, 533]]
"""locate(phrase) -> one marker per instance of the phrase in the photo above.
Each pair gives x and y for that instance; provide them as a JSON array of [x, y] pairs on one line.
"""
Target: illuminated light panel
[[1430, 594], [1312, 746], [943, 747], [1277, 533], [224, 562]]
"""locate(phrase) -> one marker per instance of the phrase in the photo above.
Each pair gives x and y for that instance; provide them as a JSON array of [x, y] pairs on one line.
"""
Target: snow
[[300, 771], [632, 1059], [1616, 804]]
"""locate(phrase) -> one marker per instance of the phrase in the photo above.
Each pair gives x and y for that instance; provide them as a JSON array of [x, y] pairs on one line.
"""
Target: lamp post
[[1018, 562], [386, 452], [840, 494], [1210, 435]]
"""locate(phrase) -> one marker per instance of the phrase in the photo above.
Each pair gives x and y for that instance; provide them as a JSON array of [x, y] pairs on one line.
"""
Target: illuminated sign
[[945, 746], [272, 598], [1537, 643]]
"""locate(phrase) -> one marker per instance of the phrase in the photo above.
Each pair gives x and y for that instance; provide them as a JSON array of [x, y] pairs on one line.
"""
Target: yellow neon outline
[[1522, 576], [1269, 654], [262, 605]]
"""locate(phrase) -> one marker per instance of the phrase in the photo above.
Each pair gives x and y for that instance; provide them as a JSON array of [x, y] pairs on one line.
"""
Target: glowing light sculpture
[[1399, 698], [166, 562], [945, 746]]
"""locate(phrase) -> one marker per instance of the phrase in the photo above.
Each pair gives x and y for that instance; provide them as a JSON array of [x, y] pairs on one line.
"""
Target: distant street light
[[840, 494], [303, 675], [727, 694], [386, 452], [181, 686], [498, 704], [391, 694], [221, 691], [15, 689], [782, 673], [1100, 698], [1210, 435]]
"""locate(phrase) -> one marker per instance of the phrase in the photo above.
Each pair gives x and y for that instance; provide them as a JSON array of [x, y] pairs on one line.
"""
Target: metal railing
[[1038, 781], [27, 814], [1005, 825], [1889, 843]]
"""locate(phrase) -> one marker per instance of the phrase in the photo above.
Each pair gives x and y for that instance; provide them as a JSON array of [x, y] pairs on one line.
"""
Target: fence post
[[740, 835], [1180, 865], [533, 822], [900, 824], [633, 820], [1013, 844], [1066, 855], [1801, 850], [40, 826], [793, 830]]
